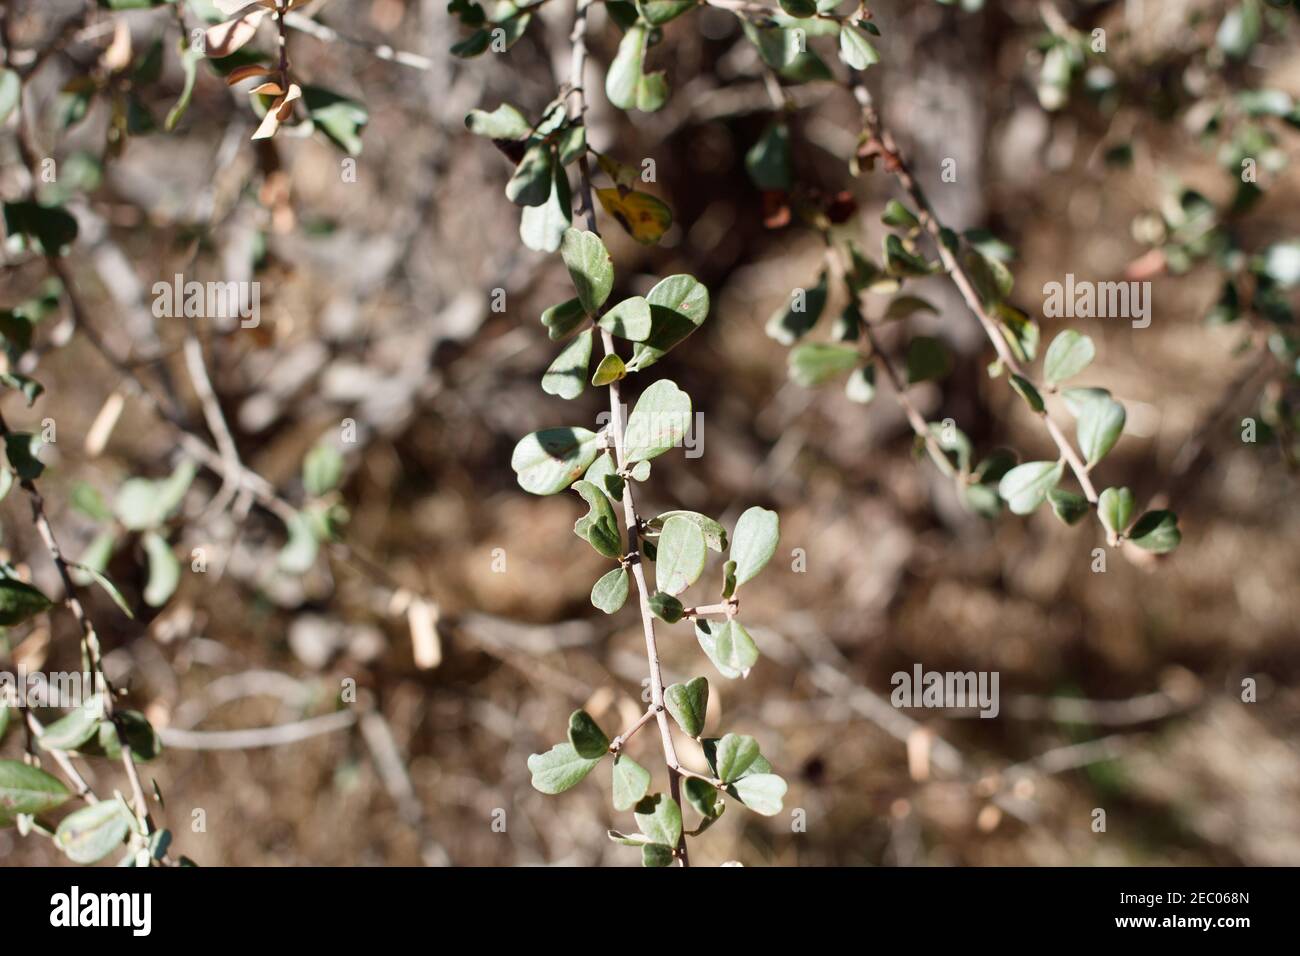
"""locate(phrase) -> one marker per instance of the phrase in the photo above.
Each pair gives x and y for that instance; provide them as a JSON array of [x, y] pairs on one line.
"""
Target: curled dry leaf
[[225, 38], [279, 111], [239, 74]]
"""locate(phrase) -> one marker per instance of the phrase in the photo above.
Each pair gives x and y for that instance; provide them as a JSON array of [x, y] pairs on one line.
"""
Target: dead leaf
[[225, 38]]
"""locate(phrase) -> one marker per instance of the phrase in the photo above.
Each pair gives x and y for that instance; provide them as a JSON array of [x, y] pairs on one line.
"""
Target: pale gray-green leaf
[[681, 554], [1024, 487], [559, 769], [659, 421], [631, 781], [754, 542], [688, 703], [610, 593], [546, 462], [567, 375], [1068, 355]]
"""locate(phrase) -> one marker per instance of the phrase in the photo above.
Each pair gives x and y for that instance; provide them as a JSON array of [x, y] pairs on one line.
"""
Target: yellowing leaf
[[644, 217]]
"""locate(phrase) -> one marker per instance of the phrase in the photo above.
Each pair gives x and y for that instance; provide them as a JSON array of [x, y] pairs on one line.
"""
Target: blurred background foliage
[[1120, 690]]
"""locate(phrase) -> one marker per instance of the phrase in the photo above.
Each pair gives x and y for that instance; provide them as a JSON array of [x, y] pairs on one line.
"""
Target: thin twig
[[577, 107]]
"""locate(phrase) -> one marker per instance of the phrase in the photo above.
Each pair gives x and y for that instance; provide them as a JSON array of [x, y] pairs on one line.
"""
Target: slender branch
[[577, 109], [256, 737], [618, 742], [305, 24], [882, 143]]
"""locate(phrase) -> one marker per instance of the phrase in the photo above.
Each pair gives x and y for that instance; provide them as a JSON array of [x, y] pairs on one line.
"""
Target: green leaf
[[861, 386], [768, 160], [1020, 331], [590, 267], [1077, 399], [1024, 487], [571, 145], [29, 387], [778, 48], [666, 607], [610, 592], [728, 646], [656, 855], [703, 796], [142, 504], [631, 781], [1099, 426], [681, 554], [1068, 355], [797, 317], [1115, 509], [546, 462], [586, 737], [754, 541], [21, 448], [659, 12], [761, 792], [627, 85], [567, 375], [855, 49], [189, 59], [1239, 30], [92, 833], [813, 363], [11, 89], [139, 733], [728, 579], [902, 263], [504, 122], [1067, 505], [659, 818], [530, 185], [27, 790], [300, 550], [1025, 389], [799, 8], [678, 306], [559, 769], [164, 570], [992, 279], [20, 601], [1156, 531], [735, 753], [611, 369], [542, 228], [899, 216], [322, 470], [688, 703], [87, 499], [927, 358], [562, 319], [630, 319], [659, 421], [51, 227], [599, 526], [907, 305], [75, 728], [715, 535]]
